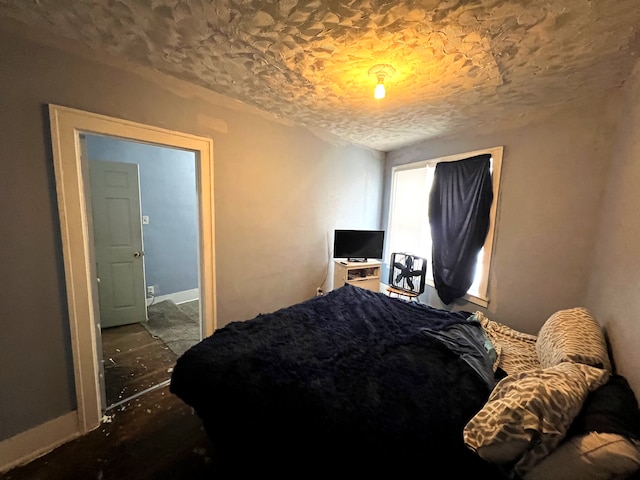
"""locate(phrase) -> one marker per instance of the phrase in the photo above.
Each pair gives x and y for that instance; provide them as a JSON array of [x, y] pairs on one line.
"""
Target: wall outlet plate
[[151, 290]]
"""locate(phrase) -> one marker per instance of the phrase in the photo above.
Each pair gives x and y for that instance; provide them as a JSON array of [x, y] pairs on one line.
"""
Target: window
[[408, 229]]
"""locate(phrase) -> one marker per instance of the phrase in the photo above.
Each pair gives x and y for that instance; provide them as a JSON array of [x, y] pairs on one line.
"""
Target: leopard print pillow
[[572, 335]]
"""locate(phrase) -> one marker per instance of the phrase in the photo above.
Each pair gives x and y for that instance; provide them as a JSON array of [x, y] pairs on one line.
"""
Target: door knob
[[138, 254]]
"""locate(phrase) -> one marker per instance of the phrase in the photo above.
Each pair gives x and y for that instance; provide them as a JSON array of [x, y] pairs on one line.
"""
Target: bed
[[358, 382]]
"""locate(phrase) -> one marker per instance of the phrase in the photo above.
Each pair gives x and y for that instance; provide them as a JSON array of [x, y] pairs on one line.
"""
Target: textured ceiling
[[458, 64]]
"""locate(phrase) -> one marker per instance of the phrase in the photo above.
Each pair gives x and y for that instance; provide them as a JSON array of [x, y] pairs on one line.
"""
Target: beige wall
[[552, 182], [614, 290], [280, 190]]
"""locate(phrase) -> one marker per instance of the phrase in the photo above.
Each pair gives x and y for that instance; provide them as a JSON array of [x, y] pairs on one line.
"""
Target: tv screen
[[358, 245]]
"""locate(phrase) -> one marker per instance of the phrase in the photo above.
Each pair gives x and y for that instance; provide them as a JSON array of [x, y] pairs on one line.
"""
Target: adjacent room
[[176, 175]]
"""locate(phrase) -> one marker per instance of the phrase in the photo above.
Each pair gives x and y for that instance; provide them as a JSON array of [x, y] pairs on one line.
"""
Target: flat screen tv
[[358, 245]]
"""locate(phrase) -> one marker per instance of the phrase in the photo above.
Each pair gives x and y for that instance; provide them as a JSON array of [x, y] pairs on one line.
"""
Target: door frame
[[71, 174]]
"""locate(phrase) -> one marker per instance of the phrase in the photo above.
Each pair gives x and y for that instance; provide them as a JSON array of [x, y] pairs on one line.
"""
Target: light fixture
[[381, 72]]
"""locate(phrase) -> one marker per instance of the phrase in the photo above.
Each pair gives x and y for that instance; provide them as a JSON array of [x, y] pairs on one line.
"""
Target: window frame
[[482, 298]]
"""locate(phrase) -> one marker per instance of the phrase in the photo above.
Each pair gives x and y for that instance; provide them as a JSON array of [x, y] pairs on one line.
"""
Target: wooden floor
[[134, 361], [152, 436]]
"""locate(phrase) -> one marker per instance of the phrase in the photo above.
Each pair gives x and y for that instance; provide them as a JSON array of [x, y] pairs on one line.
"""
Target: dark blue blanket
[[350, 378]]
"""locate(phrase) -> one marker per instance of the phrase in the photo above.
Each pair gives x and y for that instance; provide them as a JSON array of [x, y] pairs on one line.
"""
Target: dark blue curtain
[[459, 207]]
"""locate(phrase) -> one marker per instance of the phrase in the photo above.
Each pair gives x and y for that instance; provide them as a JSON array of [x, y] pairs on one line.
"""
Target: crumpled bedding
[[612, 408], [468, 343], [517, 350]]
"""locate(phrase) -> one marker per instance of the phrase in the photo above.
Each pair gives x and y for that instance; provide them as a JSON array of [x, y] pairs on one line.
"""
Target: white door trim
[[71, 176]]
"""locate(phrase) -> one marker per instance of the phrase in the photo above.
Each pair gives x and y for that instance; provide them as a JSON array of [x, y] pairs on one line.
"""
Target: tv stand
[[361, 273]]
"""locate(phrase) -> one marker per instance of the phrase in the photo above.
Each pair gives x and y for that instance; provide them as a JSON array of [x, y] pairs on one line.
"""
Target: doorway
[[143, 206], [71, 172]]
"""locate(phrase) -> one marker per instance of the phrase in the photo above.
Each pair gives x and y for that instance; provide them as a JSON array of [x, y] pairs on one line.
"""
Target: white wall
[[614, 289]]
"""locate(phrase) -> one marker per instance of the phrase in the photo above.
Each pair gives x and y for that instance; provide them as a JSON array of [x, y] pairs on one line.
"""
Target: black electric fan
[[407, 272]]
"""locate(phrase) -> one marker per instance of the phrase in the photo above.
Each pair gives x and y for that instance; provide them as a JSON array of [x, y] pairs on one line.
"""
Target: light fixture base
[[382, 69]]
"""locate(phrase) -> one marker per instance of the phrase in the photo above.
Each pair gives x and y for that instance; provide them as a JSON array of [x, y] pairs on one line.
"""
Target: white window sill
[[480, 301]]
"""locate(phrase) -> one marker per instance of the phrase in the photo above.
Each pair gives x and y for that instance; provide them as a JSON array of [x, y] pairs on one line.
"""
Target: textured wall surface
[[457, 63]]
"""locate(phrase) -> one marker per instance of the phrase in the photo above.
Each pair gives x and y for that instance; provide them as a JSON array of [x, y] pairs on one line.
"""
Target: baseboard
[[178, 297], [29, 445]]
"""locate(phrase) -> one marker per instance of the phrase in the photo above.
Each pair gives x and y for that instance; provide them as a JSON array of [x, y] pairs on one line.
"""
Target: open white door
[[115, 202]]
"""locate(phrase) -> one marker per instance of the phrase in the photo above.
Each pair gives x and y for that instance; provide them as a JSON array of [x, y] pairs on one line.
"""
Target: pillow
[[594, 456], [612, 408], [572, 335], [528, 414], [603, 438]]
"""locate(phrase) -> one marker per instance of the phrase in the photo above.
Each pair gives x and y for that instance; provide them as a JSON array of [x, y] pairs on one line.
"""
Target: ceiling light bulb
[[382, 71]]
